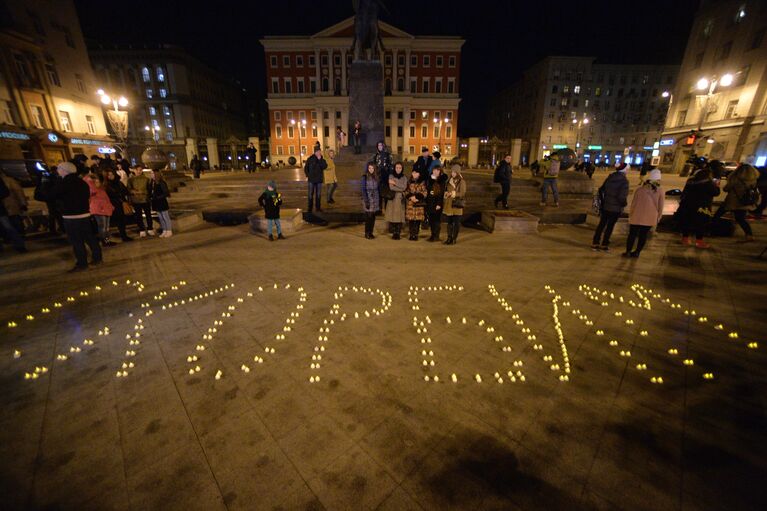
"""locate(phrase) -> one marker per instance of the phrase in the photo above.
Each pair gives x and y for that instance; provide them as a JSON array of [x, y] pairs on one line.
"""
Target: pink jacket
[[646, 206], [99, 202]]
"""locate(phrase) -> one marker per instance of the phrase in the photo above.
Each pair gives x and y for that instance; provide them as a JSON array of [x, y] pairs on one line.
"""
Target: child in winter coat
[[646, 212], [100, 205], [415, 194], [271, 200]]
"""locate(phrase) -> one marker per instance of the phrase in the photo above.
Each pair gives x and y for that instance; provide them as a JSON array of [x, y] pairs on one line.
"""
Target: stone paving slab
[[372, 433]]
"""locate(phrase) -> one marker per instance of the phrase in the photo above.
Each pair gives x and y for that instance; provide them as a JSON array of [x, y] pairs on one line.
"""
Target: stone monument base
[[290, 220], [512, 220], [366, 100]]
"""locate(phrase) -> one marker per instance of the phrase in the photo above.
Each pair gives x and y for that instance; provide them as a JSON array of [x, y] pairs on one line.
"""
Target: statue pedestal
[[366, 101]]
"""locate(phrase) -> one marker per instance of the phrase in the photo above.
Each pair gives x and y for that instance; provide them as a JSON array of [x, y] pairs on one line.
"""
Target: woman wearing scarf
[[455, 192], [395, 207]]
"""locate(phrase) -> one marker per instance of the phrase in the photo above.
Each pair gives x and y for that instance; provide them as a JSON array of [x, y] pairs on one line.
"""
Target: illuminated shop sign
[[13, 135], [668, 141], [106, 150], [85, 141], [559, 146], [595, 148]]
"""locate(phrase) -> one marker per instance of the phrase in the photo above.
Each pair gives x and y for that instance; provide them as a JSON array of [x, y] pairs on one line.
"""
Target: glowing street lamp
[[580, 123], [710, 86], [300, 151], [118, 119]]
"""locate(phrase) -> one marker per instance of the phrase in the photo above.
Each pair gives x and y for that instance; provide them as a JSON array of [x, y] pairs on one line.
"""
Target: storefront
[[15, 145]]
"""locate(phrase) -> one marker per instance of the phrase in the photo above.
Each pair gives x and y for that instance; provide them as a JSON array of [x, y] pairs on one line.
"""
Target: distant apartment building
[[604, 112], [49, 109], [308, 80], [188, 107], [719, 105]]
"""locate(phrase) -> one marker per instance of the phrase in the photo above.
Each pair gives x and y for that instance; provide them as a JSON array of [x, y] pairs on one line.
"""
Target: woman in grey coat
[[395, 208]]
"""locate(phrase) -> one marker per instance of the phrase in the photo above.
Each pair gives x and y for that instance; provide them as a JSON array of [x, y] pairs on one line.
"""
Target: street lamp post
[[118, 119], [580, 123], [441, 122], [704, 84], [301, 123]]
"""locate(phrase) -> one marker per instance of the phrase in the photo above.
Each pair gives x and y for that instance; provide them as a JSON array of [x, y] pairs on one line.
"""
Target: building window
[[451, 85], [280, 150], [337, 60], [448, 132], [577, 89], [302, 131], [412, 131], [163, 93], [168, 122], [90, 125], [312, 61], [732, 109], [424, 131], [286, 61], [53, 75], [300, 85], [438, 85], [291, 150], [288, 86], [411, 149], [149, 93], [145, 74], [451, 61], [273, 61], [425, 86], [563, 102], [169, 136], [554, 89], [424, 114], [414, 61], [387, 60], [439, 60], [681, 118], [426, 60], [160, 74], [312, 85], [724, 51], [566, 89], [152, 111], [412, 115], [325, 84], [6, 112], [299, 61], [80, 84], [166, 110], [314, 131], [413, 85], [291, 131], [275, 85], [399, 131], [38, 117], [278, 116], [68, 37], [400, 61], [66, 122], [324, 60], [278, 131], [756, 42], [708, 28], [387, 114], [387, 131]]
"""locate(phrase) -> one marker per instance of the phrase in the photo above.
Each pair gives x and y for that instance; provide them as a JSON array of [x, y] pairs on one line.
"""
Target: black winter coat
[[72, 195], [4, 192], [117, 192], [616, 192], [382, 160], [314, 169], [435, 191], [503, 173], [422, 166], [271, 204], [158, 195], [698, 194]]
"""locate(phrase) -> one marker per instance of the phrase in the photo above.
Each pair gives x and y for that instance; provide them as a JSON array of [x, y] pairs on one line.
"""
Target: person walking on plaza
[[10, 233], [694, 212], [340, 138], [549, 171], [455, 194], [15, 203], [251, 154], [415, 196], [100, 206], [614, 193], [329, 175], [435, 198], [314, 170], [158, 196], [742, 197], [357, 134], [423, 163], [138, 187], [395, 207], [503, 177], [371, 202], [645, 213], [270, 201], [73, 195], [118, 196], [196, 166]]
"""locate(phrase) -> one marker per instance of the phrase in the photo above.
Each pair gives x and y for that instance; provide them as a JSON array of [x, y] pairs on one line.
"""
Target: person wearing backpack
[[503, 177], [742, 197], [549, 170], [614, 193]]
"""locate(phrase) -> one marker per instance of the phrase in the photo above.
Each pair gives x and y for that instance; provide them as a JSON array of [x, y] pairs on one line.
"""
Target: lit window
[[278, 131], [38, 117], [741, 13], [163, 93], [160, 75], [168, 122], [7, 114], [90, 124], [280, 150], [169, 136], [166, 110], [145, 74], [149, 93], [152, 111], [66, 122], [577, 89]]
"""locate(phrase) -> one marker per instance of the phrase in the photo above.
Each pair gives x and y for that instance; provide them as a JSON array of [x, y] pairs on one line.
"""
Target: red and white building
[[308, 81]]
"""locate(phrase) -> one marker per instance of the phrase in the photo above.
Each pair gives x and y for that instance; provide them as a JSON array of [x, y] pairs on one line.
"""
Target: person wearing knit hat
[[646, 211], [73, 195], [614, 193], [271, 200]]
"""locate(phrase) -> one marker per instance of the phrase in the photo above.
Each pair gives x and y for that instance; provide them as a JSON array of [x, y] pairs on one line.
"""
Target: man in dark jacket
[[423, 164], [74, 195], [251, 152], [9, 231], [196, 166], [614, 192], [503, 177], [314, 171]]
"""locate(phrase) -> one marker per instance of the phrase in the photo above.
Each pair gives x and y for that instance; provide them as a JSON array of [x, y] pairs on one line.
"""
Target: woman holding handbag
[[455, 193], [415, 194], [118, 196]]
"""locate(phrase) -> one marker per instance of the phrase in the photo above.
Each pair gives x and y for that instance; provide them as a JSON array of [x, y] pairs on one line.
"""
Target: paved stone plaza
[[563, 378]]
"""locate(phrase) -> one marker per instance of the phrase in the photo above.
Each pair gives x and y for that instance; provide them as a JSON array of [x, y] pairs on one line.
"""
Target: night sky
[[503, 37]]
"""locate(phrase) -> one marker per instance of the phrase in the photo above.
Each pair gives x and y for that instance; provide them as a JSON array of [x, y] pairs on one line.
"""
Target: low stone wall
[[570, 182], [290, 219], [509, 221]]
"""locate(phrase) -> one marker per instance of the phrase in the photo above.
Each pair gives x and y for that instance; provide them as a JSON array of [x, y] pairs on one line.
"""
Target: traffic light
[[690, 140]]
